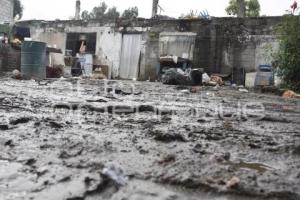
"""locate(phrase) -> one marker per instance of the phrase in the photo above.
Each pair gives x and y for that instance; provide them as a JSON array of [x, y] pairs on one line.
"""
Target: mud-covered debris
[[64, 179], [221, 157], [55, 125], [233, 183], [21, 120], [167, 160], [115, 173], [296, 150], [270, 118], [168, 137], [197, 148], [4, 127], [70, 153], [9, 143], [68, 106], [97, 101], [30, 161], [254, 145], [121, 92]]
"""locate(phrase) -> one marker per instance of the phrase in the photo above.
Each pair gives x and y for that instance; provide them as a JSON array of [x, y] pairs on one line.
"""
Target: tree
[[250, 7], [101, 12], [288, 57], [112, 13], [85, 15], [130, 13], [18, 9]]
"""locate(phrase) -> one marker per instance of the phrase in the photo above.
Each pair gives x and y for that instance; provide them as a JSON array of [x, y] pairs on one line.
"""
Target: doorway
[[130, 56]]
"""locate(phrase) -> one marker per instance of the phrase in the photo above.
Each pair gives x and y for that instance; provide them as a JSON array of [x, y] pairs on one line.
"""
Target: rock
[[21, 120], [168, 137], [9, 143], [3, 127], [197, 148], [30, 161], [221, 157], [233, 183], [168, 159], [55, 125]]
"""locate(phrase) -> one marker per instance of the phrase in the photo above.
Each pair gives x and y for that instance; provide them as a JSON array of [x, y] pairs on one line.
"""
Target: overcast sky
[[64, 9]]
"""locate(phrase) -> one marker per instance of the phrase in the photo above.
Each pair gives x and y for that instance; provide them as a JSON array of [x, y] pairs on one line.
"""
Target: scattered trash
[[16, 74], [205, 78], [98, 74], [217, 79], [244, 90], [185, 91], [290, 94], [115, 173], [175, 76]]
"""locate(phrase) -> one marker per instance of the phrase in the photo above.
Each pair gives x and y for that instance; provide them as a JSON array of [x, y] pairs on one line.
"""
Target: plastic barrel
[[33, 60]]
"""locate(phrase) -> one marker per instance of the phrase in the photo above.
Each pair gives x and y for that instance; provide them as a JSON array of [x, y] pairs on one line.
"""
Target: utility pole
[[154, 8], [241, 8]]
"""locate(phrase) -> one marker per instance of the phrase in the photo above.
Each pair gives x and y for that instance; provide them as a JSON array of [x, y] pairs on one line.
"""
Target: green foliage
[[113, 13], [288, 58], [102, 12], [99, 11], [130, 13], [252, 8], [18, 9]]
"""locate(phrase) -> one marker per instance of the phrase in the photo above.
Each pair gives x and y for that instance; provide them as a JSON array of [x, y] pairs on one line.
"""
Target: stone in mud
[[168, 159], [3, 127], [55, 125], [168, 137], [30, 161], [296, 150], [21, 120], [221, 157], [9, 143]]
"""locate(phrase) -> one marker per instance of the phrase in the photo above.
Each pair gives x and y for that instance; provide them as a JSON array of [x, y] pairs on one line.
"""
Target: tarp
[[22, 31], [177, 44], [130, 56]]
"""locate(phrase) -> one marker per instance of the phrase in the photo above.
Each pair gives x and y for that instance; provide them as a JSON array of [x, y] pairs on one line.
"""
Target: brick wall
[[6, 11]]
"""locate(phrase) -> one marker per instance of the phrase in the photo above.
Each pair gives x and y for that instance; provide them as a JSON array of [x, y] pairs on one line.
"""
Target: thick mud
[[83, 139]]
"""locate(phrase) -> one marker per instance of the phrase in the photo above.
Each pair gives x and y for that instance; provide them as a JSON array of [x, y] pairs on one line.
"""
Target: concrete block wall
[[6, 11]]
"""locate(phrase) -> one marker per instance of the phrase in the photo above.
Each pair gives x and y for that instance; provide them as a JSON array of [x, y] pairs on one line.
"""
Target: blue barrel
[[33, 60]]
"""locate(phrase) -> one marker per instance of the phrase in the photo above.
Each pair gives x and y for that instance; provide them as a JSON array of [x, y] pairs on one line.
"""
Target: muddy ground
[[83, 139]]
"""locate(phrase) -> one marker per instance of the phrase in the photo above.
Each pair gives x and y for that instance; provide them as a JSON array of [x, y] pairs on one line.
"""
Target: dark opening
[[74, 41]]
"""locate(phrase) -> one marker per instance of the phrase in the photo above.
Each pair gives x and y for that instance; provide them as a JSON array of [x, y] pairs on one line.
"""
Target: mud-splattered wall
[[223, 45]]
